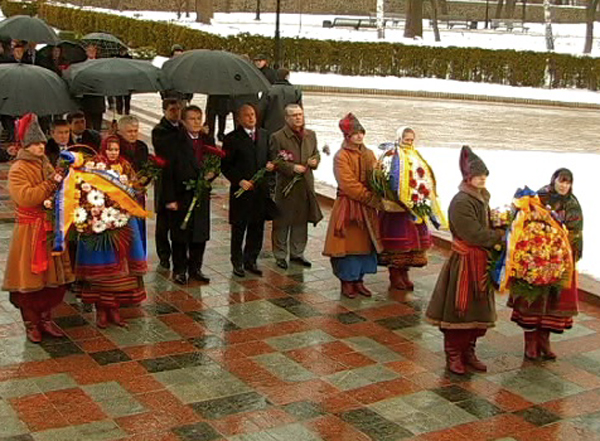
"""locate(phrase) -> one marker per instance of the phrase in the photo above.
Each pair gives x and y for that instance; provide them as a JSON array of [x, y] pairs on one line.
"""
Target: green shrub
[[19, 8], [517, 68]]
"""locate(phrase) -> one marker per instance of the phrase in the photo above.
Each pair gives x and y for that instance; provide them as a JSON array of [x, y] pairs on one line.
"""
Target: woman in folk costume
[[35, 278], [112, 276], [553, 313], [352, 240], [404, 236], [462, 305]]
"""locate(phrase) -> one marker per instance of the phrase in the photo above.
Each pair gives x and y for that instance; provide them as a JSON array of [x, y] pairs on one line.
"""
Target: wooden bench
[[455, 21], [508, 24], [389, 17], [356, 23]]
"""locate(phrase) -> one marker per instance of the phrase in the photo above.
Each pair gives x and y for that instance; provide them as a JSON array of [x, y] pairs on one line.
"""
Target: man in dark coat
[[132, 149], [81, 135], [217, 109], [261, 62], [300, 207], [167, 136], [274, 102], [462, 304], [247, 151], [186, 165], [60, 133]]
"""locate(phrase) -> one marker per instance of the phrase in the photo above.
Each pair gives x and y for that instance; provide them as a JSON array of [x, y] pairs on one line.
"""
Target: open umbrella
[[24, 27], [213, 73], [27, 88], [71, 52], [112, 77], [108, 45]]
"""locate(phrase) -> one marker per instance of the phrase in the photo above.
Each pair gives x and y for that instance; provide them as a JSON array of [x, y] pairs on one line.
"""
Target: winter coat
[[269, 73], [244, 158], [218, 105], [89, 137], [469, 222], [183, 166], [166, 139], [30, 183], [352, 167], [272, 105], [52, 151], [92, 104], [136, 153], [301, 205]]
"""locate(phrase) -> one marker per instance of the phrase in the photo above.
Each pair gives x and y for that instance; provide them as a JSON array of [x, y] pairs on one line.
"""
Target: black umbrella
[[71, 52], [213, 73], [112, 77], [108, 45], [24, 27], [27, 88]]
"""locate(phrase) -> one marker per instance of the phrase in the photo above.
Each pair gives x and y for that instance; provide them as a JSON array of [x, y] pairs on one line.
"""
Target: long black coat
[[136, 153], [183, 166], [89, 137], [244, 158], [52, 151], [272, 105], [166, 139]]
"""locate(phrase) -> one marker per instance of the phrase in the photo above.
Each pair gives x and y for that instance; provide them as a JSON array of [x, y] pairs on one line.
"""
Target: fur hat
[[470, 164], [29, 130], [349, 125]]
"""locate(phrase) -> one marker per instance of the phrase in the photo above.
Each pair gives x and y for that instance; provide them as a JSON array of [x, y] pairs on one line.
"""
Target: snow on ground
[[510, 170], [569, 38]]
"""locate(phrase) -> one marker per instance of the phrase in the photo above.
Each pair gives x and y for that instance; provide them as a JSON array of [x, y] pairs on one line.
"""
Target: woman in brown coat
[[352, 239], [462, 305], [35, 278]]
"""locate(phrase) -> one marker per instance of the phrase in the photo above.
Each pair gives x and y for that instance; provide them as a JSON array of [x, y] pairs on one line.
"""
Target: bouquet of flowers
[[282, 157], [150, 171], [539, 260], [501, 217], [210, 165], [403, 178], [297, 177]]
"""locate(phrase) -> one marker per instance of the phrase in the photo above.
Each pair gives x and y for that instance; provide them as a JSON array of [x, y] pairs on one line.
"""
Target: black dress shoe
[[301, 261], [164, 265], [281, 263], [199, 277], [239, 271], [251, 267], [180, 279]]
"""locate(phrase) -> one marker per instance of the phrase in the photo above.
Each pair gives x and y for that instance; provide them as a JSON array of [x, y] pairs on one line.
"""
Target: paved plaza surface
[[283, 357]]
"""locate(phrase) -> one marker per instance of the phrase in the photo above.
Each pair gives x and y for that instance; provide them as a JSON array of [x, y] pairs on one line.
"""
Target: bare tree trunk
[[590, 15], [204, 11], [548, 20], [443, 7], [509, 12], [380, 17], [414, 19], [499, 8], [434, 20]]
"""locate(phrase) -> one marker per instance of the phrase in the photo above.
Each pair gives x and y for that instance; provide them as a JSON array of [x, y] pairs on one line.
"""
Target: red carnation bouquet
[[150, 171]]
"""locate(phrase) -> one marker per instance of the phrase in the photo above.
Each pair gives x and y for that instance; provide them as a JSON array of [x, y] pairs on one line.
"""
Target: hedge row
[[518, 68]]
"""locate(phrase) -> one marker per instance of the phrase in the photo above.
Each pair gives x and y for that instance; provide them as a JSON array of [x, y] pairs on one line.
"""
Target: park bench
[[356, 23], [389, 17], [509, 24], [455, 21]]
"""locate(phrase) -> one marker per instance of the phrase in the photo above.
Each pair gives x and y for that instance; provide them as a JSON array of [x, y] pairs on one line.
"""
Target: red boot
[[47, 326], [453, 346], [32, 322], [101, 317], [406, 280], [543, 340], [531, 345], [396, 281], [349, 290], [360, 288], [470, 358], [115, 317]]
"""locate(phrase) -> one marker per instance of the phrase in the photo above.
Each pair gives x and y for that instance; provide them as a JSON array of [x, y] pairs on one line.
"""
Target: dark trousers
[[94, 120], [123, 104], [8, 128], [248, 253], [221, 118], [161, 236], [187, 257]]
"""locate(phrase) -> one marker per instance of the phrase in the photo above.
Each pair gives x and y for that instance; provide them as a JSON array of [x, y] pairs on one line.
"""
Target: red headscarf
[[103, 157]]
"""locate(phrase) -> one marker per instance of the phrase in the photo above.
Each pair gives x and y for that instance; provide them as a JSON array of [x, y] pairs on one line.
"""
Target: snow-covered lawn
[[510, 170], [569, 37]]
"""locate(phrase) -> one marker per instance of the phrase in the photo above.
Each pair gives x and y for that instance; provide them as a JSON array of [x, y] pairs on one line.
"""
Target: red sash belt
[[41, 226], [472, 272], [350, 212]]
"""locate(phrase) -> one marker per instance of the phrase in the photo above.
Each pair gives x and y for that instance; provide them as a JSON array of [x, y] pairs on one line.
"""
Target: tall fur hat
[[29, 130], [470, 164], [350, 125]]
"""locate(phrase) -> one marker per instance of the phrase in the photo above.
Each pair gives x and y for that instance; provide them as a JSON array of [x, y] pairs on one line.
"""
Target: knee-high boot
[[31, 319], [396, 280], [470, 358], [543, 340], [454, 347], [47, 326], [531, 345]]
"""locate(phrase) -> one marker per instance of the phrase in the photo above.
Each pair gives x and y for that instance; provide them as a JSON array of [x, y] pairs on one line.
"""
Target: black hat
[[261, 57], [470, 164]]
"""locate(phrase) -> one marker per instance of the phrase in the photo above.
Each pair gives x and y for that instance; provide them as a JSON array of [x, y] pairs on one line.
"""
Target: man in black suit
[[60, 133], [167, 136], [246, 150], [81, 135], [132, 148]]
